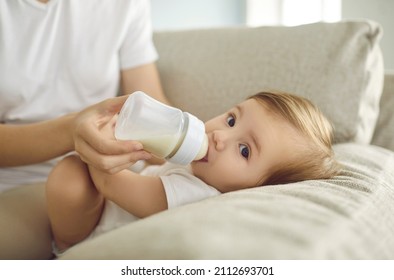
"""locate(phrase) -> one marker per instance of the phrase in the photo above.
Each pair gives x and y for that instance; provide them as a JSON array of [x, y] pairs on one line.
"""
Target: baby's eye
[[244, 150], [230, 120]]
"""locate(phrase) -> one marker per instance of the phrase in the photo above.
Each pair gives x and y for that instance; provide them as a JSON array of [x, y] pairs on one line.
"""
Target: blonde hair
[[317, 158]]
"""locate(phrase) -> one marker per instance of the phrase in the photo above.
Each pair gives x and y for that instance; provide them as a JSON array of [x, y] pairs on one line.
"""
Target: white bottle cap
[[195, 143]]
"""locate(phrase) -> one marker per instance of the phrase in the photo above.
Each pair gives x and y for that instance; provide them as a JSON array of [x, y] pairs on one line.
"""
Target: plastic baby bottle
[[165, 131]]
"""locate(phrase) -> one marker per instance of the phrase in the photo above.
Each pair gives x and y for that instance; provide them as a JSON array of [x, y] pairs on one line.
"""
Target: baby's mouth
[[204, 159]]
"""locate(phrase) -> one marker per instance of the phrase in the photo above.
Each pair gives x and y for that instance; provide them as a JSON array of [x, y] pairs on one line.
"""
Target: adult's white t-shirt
[[62, 56]]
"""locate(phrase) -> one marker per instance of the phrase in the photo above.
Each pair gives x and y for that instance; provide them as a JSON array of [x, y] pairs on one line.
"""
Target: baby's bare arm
[[140, 195]]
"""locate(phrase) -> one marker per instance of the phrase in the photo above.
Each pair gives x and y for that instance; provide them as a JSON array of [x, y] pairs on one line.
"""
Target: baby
[[270, 138]]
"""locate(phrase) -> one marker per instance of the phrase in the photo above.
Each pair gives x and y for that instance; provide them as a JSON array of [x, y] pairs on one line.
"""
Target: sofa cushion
[[348, 217], [25, 231], [384, 132], [338, 66]]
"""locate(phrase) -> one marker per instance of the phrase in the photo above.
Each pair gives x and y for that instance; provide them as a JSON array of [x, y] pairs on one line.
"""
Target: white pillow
[[338, 66]]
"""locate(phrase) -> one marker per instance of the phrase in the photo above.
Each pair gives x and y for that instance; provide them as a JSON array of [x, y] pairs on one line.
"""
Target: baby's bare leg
[[74, 205]]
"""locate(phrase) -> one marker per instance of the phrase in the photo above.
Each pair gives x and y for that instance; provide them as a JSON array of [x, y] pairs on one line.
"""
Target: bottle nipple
[[203, 150]]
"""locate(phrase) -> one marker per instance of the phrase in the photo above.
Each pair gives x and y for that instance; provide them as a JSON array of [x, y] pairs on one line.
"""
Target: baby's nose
[[219, 139]]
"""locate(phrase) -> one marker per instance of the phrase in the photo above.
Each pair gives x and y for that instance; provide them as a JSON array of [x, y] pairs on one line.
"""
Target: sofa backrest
[[384, 132], [338, 66]]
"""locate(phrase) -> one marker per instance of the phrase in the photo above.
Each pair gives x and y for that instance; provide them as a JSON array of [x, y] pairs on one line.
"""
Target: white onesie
[[180, 185]]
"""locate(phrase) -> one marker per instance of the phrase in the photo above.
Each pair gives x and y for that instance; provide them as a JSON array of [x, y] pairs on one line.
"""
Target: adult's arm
[[32, 143], [144, 78], [38, 142], [27, 144]]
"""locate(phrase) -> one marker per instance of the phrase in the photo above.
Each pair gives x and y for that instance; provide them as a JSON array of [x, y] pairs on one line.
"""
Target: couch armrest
[[384, 131]]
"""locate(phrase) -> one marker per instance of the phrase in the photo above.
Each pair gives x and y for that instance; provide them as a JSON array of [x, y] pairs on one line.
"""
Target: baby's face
[[245, 143]]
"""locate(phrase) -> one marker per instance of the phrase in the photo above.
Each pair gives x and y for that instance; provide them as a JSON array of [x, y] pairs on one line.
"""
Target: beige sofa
[[340, 68]]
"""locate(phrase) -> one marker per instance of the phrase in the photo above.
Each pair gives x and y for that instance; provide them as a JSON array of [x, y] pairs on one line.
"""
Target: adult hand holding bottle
[[83, 132], [94, 139]]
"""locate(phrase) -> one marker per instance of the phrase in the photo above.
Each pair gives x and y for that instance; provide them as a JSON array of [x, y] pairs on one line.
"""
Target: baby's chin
[[196, 168], [200, 170]]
